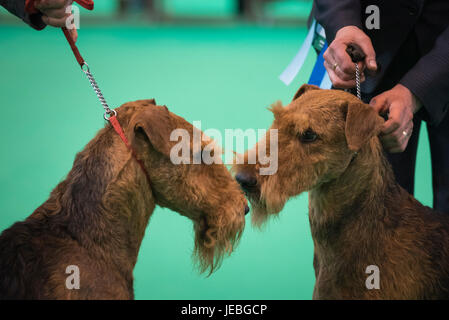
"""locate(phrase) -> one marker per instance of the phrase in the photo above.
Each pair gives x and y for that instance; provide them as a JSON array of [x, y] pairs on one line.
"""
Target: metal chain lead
[[357, 81], [108, 112]]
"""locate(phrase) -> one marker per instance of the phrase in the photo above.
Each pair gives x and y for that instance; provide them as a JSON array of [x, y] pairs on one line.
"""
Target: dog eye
[[308, 136]]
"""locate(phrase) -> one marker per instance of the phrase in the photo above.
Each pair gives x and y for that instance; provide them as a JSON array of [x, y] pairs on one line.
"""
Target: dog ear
[[151, 102], [277, 109], [156, 123], [362, 123], [304, 88]]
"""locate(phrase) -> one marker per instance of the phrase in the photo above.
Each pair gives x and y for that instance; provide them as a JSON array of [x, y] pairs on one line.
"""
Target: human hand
[[54, 13], [401, 104], [339, 65]]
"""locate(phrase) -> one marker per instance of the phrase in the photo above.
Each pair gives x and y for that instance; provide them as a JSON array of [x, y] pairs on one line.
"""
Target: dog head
[[319, 133], [205, 193]]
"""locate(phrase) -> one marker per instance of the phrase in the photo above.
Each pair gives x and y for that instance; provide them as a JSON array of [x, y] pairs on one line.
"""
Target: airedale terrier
[[96, 218], [372, 239]]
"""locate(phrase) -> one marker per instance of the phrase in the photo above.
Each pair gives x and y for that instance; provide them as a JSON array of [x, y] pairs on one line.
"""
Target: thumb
[[74, 34], [379, 103], [394, 120], [370, 59]]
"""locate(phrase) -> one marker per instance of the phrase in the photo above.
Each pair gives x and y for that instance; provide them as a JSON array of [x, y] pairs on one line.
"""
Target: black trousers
[[404, 163]]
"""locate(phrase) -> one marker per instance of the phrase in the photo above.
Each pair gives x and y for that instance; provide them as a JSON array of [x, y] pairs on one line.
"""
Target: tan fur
[[359, 215], [96, 218]]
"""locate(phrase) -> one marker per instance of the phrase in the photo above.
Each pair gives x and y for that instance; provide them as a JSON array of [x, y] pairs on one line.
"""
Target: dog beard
[[215, 238]]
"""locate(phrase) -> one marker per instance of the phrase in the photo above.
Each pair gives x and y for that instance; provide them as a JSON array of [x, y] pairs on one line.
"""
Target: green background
[[224, 75]]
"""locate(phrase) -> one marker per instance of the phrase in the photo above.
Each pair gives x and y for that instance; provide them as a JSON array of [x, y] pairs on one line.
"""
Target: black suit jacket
[[17, 8], [412, 45]]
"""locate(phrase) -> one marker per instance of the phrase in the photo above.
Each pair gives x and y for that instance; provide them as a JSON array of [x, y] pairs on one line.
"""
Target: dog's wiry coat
[[96, 218], [359, 215]]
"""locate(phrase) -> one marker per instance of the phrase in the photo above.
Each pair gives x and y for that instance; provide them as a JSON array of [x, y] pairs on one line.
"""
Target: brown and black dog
[[96, 218], [360, 218]]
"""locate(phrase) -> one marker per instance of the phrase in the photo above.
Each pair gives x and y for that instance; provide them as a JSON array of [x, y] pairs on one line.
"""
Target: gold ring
[[405, 133], [335, 65]]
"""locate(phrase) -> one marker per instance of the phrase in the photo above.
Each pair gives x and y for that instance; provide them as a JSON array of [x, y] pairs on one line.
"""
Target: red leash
[[110, 114], [116, 125], [75, 50]]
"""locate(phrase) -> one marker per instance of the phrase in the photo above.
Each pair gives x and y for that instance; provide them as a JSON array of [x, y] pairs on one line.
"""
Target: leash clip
[[109, 114], [85, 67]]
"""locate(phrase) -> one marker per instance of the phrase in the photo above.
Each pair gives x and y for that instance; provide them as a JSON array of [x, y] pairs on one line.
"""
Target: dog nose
[[246, 180], [246, 210]]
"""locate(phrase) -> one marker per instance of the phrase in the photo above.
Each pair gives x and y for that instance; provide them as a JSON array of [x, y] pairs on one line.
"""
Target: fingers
[[337, 82], [340, 75], [54, 12], [55, 22], [339, 65], [398, 116], [397, 141], [392, 124], [43, 5], [336, 53], [397, 130], [338, 72], [379, 103]]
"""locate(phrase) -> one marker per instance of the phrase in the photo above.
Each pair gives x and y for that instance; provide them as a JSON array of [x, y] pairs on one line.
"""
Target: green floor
[[223, 76]]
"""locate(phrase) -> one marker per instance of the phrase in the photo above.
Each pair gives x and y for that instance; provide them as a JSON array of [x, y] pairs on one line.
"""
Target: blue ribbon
[[318, 72]]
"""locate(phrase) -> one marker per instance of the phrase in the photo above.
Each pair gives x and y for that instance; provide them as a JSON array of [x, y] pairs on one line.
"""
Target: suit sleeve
[[429, 79], [17, 8], [334, 15]]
